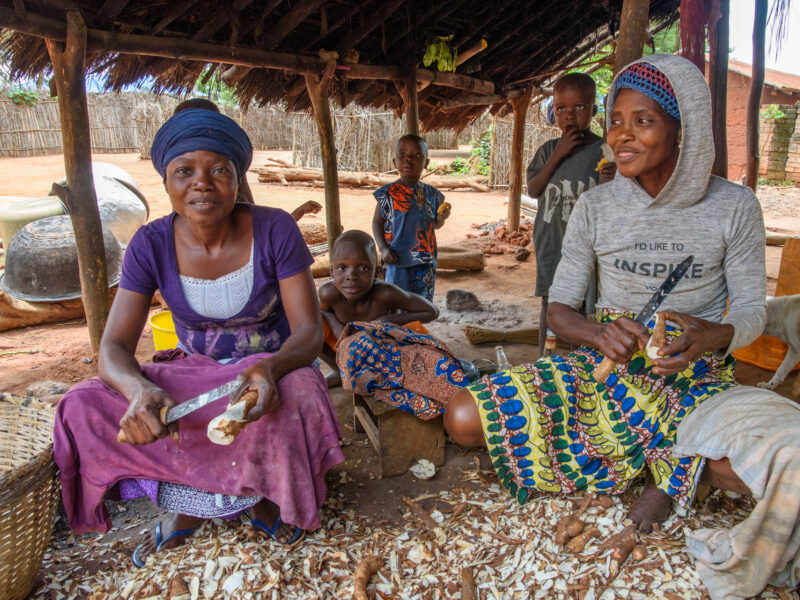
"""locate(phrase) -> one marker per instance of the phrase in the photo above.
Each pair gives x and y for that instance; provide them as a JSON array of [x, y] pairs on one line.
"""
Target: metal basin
[[42, 261], [123, 208]]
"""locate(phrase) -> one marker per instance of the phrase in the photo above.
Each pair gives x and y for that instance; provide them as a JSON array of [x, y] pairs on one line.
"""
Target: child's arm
[[412, 307], [327, 297], [566, 143], [388, 255]]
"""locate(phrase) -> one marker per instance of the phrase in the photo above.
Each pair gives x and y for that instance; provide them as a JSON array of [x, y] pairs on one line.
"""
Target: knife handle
[[603, 370], [162, 415]]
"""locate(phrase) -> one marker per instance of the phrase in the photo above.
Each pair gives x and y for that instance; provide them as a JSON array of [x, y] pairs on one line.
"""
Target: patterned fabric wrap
[[646, 79], [550, 427], [410, 371], [419, 279], [410, 220]]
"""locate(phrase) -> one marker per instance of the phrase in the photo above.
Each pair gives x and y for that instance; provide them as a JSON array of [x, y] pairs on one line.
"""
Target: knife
[[171, 414], [602, 372]]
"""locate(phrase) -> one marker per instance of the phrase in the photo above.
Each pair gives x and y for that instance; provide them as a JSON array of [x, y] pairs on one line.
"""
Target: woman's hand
[[699, 336], [261, 377], [620, 339], [141, 423]]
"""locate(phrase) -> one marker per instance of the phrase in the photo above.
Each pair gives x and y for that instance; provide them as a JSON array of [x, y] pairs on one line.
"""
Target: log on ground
[[450, 257], [286, 175]]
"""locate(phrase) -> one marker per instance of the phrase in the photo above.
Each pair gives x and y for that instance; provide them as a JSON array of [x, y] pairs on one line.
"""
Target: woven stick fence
[[364, 139], [537, 132], [128, 122]]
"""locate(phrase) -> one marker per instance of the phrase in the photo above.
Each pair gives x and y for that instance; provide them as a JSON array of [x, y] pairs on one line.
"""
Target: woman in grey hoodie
[[550, 426]]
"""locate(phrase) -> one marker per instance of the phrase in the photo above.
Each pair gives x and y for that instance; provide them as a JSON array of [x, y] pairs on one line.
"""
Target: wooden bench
[[399, 437]]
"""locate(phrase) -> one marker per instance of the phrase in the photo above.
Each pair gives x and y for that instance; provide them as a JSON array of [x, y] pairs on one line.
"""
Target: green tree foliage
[[666, 41], [212, 87]]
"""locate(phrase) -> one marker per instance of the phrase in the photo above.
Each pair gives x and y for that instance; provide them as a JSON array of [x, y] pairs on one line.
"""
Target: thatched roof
[[528, 42]]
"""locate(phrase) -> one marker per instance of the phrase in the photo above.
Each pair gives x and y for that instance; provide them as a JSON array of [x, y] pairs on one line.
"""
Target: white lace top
[[221, 298]]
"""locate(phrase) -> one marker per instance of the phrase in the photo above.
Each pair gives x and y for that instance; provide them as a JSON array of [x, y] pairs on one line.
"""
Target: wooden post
[[79, 195], [411, 101], [520, 106], [632, 32], [330, 170], [756, 89], [718, 82]]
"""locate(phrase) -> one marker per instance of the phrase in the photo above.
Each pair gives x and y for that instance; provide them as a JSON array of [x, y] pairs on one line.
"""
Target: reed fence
[[128, 122], [537, 132]]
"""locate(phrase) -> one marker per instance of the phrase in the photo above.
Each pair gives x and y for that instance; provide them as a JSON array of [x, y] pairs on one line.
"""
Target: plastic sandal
[[296, 538], [160, 541]]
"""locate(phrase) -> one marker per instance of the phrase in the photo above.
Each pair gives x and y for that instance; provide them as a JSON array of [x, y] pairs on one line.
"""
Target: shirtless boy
[[355, 295]]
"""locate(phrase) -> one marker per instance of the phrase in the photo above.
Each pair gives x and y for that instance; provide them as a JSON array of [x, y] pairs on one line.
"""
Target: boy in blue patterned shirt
[[406, 217]]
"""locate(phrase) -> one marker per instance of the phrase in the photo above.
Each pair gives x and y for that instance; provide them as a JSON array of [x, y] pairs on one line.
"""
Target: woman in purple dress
[[237, 279]]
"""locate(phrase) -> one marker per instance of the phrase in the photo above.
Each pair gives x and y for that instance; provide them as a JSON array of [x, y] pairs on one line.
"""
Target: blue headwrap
[[198, 129]]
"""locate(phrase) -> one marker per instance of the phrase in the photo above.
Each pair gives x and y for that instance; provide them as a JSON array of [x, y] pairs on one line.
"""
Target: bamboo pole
[[79, 195], [520, 106], [411, 101], [718, 82], [183, 49], [322, 115], [632, 32], [756, 89]]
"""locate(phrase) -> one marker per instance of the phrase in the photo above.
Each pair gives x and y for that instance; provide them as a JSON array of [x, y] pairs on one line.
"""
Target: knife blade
[[607, 365], [171, 414]]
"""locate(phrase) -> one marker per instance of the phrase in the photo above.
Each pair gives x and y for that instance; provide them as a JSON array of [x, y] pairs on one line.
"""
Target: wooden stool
[[399, 437]]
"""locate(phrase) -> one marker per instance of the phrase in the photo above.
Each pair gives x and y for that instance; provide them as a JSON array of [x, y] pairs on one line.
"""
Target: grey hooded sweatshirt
[[630, 241]]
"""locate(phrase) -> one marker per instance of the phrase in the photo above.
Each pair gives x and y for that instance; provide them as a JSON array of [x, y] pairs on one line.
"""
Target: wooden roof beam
[[296, 15], [373, 22], [177, 11], [212, 27], [183, 49], [109, 11]]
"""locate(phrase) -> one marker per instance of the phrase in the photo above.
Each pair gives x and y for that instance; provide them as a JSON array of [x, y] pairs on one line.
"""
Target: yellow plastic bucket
[[164, 337]]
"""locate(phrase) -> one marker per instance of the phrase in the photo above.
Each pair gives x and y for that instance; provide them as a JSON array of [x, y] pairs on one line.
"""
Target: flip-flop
[[160, 541], [296, 538]]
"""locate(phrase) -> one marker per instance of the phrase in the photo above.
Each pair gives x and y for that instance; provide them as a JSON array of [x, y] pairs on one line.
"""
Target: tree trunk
[[79, 195], [718, 82], [756, 89], [520, 106], [632, 32], [322, 114], [411, 102]]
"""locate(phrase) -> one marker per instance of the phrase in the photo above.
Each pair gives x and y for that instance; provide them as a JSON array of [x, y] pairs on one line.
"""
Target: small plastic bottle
[[550, 343], [502, 359]]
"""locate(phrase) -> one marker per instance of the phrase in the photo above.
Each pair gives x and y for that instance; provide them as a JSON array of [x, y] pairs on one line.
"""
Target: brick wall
[[775, 141]]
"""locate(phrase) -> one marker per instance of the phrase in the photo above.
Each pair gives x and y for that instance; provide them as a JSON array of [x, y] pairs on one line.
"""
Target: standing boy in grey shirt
[[561, 170]]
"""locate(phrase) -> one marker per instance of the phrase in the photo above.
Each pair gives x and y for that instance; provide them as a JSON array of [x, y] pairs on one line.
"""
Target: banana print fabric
[[550, 427]]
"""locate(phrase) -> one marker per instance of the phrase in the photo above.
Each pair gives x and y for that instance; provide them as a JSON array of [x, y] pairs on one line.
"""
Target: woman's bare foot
[[169, 525], [653, 506], [267, 512]]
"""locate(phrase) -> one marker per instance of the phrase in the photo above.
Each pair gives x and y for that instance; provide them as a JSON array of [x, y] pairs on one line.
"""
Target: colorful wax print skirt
[[410, 371], [550, 427]]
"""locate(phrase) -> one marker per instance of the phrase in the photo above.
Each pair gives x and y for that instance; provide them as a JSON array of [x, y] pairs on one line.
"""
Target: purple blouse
[[279, 252]]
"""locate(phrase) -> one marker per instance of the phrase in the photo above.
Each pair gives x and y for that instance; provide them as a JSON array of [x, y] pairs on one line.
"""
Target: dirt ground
[[61, 352]]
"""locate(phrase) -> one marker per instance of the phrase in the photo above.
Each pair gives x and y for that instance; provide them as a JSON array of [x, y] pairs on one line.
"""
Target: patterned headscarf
[[198, 129], [646, 79]]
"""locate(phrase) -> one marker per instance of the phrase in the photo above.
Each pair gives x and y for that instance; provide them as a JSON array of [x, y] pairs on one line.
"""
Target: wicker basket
[[28, 493]]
